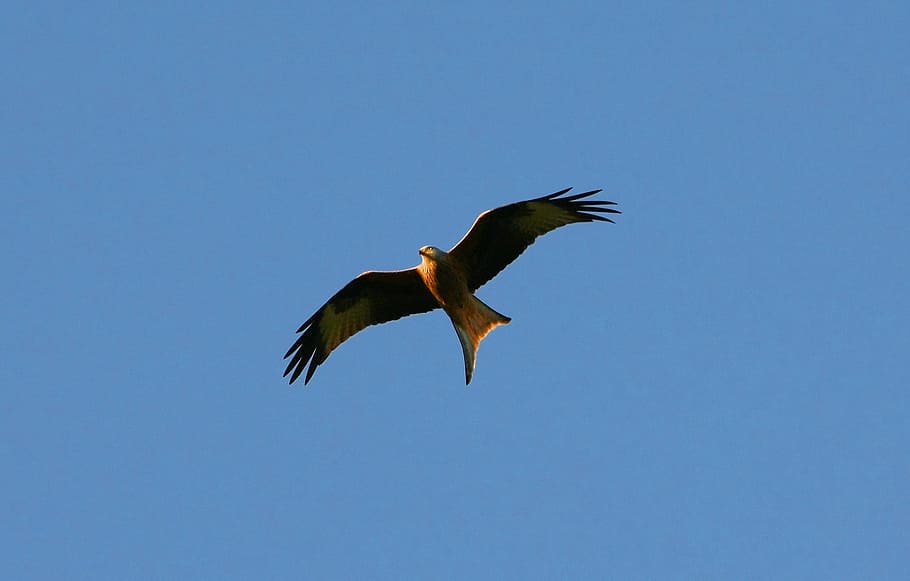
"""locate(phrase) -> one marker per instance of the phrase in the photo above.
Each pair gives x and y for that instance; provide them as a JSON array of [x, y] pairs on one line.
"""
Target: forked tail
[[472, 324]]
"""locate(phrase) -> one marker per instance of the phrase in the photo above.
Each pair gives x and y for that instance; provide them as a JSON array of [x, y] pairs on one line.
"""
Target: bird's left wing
[[373, 297], [500, 235]]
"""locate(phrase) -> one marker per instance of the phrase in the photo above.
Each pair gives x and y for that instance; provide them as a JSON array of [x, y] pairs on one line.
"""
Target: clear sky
[[716, 387]]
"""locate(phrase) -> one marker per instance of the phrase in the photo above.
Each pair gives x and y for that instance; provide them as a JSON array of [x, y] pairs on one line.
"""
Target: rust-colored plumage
[[444, 280]]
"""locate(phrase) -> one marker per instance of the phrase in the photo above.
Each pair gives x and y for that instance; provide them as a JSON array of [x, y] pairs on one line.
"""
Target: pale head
[[431, 253]]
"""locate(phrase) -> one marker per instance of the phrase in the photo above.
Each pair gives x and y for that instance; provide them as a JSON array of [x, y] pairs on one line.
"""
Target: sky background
[[716, 387]]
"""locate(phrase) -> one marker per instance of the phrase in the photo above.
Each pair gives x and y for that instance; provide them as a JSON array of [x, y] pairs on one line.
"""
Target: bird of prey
[[445, 280]]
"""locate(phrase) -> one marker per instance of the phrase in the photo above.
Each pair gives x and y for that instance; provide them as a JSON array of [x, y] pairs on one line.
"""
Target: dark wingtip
[[301, 353], [594, 217], [599, 209], [296, 374], [556, 194], [574, 197], [310, 371]]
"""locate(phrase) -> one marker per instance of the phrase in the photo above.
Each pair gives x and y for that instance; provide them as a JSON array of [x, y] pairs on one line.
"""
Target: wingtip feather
[[310, 371], [574, 197], [555, 194]]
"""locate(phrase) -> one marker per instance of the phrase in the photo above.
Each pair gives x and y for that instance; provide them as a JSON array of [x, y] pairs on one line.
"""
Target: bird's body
[[444, 280], [444, 277]]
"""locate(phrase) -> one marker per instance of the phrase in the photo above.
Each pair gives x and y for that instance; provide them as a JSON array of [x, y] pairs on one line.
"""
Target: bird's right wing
[[372, 298], [500, 235]]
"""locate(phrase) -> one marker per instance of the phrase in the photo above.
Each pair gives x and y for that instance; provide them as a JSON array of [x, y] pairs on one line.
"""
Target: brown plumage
[[444, 280]]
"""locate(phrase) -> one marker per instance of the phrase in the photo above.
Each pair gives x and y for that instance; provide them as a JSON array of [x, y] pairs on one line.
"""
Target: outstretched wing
[[372, 298], [500, 235]]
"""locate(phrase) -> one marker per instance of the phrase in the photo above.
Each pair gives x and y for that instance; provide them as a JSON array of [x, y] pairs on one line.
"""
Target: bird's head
[[431, 253]]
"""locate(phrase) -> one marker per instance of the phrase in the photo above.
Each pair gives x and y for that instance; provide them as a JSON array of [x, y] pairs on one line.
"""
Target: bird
[[445, 280]]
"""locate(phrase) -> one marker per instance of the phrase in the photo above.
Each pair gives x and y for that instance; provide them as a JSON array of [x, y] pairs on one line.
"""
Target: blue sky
[[716, 387]]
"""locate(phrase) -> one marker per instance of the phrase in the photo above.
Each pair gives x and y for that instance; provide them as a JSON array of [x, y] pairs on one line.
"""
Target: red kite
[[444, 280]]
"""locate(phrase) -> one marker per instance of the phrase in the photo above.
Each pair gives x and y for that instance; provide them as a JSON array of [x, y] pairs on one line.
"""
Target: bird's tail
[[472, 325]]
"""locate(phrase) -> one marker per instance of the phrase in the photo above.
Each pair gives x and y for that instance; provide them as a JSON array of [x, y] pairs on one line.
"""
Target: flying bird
[[445, 280]]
